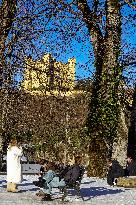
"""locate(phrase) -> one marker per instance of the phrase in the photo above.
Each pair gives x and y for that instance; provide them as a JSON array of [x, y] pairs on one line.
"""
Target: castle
[[49, 74]]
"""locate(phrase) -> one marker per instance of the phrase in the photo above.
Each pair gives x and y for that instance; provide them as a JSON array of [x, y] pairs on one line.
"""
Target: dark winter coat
[[63, 171], [40, 181], [115, 171], [73, 174], [131, 169]]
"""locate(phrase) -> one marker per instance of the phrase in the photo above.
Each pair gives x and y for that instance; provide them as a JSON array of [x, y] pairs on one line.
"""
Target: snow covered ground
[[95, 191]]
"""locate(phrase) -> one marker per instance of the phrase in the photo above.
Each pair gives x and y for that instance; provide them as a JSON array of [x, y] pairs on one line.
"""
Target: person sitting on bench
[[73, 177], [66, 178], [50, 180], [43, 164], [115, 170], [73, 172], [130, 167]]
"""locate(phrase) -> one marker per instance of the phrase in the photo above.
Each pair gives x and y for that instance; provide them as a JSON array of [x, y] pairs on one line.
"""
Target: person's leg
[[47, 192], [47, 188], [9, 186], [53, 184], [56, 182], [110, 177]]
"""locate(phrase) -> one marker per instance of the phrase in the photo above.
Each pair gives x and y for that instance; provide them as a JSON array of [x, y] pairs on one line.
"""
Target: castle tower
[[71, 72], [48, 74]]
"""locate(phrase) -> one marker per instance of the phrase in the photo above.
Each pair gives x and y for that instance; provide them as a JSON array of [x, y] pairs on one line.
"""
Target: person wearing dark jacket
[[130, 167], [74, 172], [115, 171]]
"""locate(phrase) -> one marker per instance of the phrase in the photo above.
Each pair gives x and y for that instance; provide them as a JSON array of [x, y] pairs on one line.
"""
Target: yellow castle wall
[[39, 73]]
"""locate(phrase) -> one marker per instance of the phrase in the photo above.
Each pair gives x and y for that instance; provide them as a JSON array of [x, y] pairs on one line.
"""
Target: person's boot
[[9, 186], [14, 188], [40, 193], [47, 197]]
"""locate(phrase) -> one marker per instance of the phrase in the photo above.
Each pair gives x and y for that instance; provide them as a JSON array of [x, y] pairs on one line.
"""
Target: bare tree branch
[[90, 17], [130, 4], [95, 5]]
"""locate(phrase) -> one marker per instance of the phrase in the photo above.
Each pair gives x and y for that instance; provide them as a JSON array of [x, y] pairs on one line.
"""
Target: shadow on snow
[[98, 191]]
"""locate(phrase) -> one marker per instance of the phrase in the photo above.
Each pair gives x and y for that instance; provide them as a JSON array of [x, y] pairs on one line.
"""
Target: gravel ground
[[95, 191]]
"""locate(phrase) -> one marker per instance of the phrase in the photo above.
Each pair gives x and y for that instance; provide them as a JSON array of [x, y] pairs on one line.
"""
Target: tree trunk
[[7, 14], [102, 121], [119, 151], [132, 129]]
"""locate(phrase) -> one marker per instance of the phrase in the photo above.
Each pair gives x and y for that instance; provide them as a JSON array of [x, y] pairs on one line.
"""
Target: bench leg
[[65, 191], [78, 192]]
